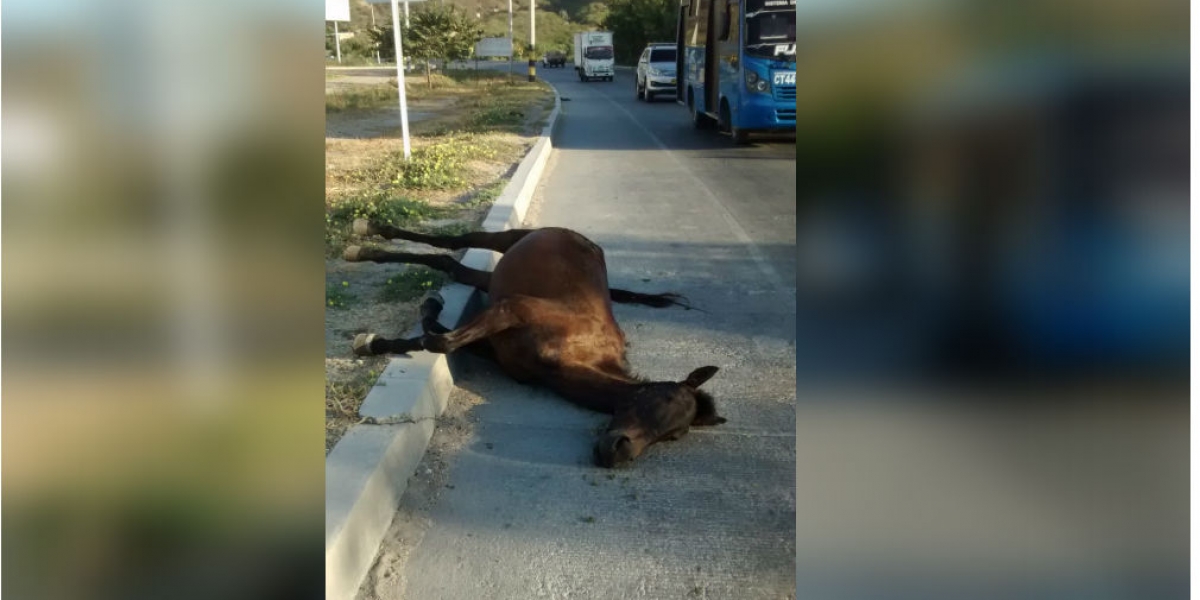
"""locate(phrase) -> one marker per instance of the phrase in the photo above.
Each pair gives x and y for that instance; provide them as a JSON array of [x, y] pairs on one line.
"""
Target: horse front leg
[[475, 278], [370, 344], [505, 314]]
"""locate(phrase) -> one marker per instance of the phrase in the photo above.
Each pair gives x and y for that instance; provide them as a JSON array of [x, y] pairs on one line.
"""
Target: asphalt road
[[519, 511]]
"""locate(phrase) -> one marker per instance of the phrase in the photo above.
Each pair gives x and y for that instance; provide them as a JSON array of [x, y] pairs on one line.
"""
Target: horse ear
[[697, 378]]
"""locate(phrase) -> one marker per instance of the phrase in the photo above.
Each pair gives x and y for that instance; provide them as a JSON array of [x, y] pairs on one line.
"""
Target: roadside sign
[[337, 10], [493, 47]]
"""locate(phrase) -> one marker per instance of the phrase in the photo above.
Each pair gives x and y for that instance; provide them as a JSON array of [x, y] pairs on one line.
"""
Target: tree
[[435, 32], [635, 23], [593, 14]]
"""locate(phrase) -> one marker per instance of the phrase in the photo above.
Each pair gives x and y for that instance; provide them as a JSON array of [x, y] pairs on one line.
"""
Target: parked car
[[656, 71], [554, 58]]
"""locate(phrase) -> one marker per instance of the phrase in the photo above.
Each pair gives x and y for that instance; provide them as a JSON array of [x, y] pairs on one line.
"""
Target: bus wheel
[[740, 137], [699, 119]]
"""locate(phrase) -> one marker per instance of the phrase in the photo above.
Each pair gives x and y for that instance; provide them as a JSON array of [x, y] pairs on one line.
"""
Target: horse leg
[[442, 262], [499, 241], [505, 314]]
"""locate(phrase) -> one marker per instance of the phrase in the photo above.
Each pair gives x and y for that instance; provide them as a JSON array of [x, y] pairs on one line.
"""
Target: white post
[[532, 41], [400, 78], [406, 14], [337, 42], [511, 43], [378, 60]]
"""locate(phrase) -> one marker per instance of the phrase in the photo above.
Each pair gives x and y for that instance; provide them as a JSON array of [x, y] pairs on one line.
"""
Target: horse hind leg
[[498, 241], [370, 344], [475, 278]]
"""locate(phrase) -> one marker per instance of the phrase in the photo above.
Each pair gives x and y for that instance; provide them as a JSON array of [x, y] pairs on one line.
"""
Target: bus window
[[766, 30]]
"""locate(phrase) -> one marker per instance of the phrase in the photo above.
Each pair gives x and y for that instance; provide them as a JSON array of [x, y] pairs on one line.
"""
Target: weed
[[378, 206], [588, 519], [486, 195], [410, 284], [337, 296], [496, 117], [381, 207]]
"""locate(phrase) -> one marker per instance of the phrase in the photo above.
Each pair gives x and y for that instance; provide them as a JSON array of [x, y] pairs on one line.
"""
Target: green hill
[[557, 20]]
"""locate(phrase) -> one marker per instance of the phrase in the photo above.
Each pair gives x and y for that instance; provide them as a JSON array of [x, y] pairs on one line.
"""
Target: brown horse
[[550, 321]]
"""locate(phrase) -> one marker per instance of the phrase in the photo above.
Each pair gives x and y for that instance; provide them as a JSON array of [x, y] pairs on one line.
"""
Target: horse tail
[[655, 300]]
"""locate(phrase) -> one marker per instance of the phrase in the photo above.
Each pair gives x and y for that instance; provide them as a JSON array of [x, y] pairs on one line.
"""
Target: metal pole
[[400, 78], [406, 14], [511, 45], [337, 42], [378, 60], [532, 43]]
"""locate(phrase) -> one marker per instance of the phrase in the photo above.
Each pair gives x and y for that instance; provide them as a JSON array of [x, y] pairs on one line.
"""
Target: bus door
[[681, 52], [712, 85]]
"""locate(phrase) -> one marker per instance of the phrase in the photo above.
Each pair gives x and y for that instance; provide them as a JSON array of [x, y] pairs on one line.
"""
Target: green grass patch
[[338, 296], [436, 166], [362, 98], [411, 283], [382, 207]]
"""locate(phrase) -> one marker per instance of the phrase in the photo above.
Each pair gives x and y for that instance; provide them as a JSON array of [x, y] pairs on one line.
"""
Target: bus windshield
[[771, 33], [598, 52]]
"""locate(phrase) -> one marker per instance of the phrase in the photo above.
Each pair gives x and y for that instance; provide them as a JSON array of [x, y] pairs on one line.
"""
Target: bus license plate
[[785, 78]]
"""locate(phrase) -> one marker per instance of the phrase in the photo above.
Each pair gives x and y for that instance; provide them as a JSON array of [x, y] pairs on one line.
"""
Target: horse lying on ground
[[550, 321]]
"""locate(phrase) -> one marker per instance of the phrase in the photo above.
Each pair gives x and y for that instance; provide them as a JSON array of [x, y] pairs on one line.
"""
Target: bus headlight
[[754, 83]]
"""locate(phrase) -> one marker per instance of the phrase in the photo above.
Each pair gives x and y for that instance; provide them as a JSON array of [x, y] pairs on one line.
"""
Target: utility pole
[[511, 45], [532, 43], [378, 60], [337, 42]]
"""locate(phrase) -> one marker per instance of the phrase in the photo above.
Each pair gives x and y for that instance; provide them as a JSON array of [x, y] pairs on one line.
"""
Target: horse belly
[[535, 353]]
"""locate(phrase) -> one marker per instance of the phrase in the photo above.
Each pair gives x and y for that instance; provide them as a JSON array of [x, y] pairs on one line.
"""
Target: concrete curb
[[368, 470]]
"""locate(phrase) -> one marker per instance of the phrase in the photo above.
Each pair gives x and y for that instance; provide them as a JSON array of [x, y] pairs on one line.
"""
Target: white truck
[[594, 55]]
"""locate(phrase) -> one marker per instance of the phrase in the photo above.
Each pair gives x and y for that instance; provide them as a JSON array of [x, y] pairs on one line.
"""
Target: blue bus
[[736, 61]]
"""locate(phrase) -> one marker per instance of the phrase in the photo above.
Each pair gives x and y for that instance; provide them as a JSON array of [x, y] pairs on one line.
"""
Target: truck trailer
[[594, 55]]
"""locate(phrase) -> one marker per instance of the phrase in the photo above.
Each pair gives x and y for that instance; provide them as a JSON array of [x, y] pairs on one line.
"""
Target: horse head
[[655, 412]]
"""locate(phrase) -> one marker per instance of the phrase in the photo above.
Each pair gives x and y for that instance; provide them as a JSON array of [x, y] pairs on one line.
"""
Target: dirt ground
[[382, 298]]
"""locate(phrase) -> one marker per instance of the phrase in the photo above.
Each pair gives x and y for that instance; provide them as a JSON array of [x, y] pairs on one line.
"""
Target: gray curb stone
[[368, 470]]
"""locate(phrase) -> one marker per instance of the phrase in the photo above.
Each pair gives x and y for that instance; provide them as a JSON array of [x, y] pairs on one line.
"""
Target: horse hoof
[[435, 296], [363, 227], [362, 344], [353, 254]]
